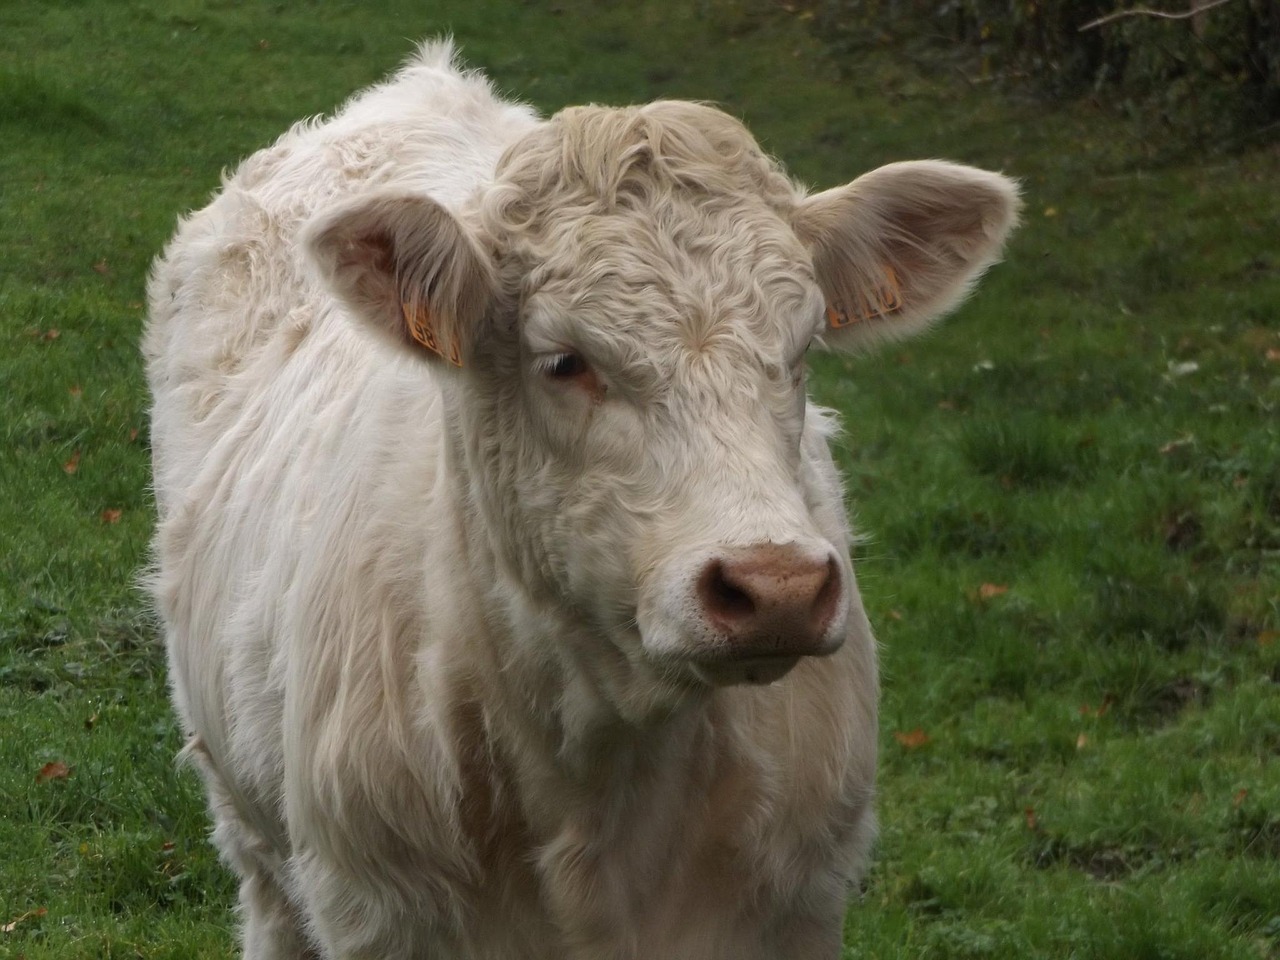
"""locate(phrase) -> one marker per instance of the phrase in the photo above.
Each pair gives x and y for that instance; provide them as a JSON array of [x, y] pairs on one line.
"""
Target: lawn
[[1070, 491]]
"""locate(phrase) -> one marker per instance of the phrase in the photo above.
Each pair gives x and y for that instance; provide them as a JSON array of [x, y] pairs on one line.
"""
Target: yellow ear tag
[[888, 300], [418, 323]]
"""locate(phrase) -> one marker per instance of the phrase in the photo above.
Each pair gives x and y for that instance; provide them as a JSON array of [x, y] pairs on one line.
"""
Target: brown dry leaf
[[29, 915], [111, 515], [53, 333], [1239, 798], [72, 464], [989, 591], [101, 267], [1267, 637], [53, 770], [912, 739], [1081, 742], [1030, 814], [895, 615], [1273, 355], [76, 390], [1086, 709]]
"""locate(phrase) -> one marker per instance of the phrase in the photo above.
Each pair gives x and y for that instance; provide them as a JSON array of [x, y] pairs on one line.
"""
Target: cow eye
[[565, 366]]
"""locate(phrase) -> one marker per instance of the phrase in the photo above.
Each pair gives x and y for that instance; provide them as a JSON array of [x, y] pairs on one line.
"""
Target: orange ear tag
[[418, 323], [888, 300]]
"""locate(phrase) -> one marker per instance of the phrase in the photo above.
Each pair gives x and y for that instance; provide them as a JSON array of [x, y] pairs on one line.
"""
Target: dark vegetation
[[1211, 79]]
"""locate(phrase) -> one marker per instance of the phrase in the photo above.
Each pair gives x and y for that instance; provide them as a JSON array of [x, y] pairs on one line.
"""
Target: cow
[[501, 558]]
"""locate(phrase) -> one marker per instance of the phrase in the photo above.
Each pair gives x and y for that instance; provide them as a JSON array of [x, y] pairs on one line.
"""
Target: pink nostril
[[723, 599], [770, 598]]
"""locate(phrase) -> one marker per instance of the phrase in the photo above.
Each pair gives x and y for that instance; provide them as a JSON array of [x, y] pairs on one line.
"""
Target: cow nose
[[771, 600]]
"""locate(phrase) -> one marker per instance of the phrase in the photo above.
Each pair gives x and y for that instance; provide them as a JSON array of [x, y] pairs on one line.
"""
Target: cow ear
[[407, 267], [900, 246]]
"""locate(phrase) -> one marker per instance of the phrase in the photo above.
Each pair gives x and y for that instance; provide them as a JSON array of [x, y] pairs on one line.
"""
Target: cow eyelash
[[562, 366]]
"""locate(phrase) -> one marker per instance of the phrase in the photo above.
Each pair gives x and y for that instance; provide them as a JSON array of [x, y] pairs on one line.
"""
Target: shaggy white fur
[[490, 497]]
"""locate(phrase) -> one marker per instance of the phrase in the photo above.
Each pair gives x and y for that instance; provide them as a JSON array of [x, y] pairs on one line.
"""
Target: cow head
[[624, 315]]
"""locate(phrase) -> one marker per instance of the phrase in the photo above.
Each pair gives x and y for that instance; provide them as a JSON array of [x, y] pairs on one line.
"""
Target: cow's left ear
[[409, 269], [900, 246]]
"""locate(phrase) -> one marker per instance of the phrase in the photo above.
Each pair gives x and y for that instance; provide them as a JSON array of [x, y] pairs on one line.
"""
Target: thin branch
[[1161, 14]]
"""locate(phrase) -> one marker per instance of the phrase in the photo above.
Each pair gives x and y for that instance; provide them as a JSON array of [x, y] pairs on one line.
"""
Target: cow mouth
[[748, 671]]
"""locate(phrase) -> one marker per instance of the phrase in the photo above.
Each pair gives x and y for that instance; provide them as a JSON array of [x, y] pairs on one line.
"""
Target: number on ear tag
[[888, 301], [418, 322]]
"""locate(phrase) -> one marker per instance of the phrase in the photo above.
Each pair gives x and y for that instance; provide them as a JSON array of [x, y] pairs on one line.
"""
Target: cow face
[[627, 310]]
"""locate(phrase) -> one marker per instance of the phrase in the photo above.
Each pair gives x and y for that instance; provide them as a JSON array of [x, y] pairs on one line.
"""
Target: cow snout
[[771, 601]]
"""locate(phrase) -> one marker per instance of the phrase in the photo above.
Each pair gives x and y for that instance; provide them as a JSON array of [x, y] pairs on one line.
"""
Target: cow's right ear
[[407, 267]]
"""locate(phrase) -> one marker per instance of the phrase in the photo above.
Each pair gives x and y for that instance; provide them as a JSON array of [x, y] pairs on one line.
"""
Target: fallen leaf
[[53, 333], [912, 740], [1267, 637], [1081, 742], [1050, 211], [111, 515], [29, 915], [1178, 444], [101, 267], [990, 590], [1239, 798], [895, 615], [1030, 814], [53, 770], [1273, 355], [76, 390], [133, 434], [72, 464]]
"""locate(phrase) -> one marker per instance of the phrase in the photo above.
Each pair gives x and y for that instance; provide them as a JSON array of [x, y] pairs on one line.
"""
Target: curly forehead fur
[[609, 157], [670, 211]]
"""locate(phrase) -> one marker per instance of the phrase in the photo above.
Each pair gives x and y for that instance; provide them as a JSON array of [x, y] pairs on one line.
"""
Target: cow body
[[503, 565]]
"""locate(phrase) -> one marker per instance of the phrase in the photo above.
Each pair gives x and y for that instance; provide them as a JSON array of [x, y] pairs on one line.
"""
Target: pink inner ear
[[381, 254]]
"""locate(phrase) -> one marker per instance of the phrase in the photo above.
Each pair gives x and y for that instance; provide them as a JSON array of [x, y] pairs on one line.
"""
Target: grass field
[[1072, 490]]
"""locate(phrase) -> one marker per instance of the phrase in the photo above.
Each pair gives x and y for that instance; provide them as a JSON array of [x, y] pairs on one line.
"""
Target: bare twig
[[1145, 12]]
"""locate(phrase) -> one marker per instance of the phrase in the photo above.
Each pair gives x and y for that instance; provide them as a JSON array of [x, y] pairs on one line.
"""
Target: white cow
[[502, 561]]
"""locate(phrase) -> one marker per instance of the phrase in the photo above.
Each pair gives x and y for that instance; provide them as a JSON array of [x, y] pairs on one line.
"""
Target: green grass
[[1096, 431]]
